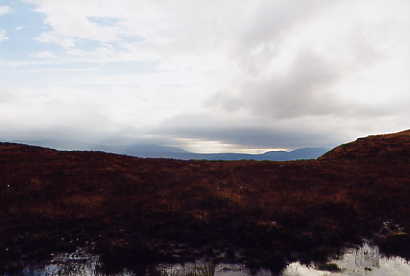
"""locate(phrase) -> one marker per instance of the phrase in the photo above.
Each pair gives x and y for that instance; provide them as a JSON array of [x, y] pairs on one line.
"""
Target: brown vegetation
[[59, 199]]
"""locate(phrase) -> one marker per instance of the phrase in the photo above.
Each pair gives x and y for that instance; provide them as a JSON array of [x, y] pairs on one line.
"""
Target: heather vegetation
[[262, 212]]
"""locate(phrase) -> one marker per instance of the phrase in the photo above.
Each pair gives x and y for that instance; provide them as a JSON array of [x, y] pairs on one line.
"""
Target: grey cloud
[[305, 105], [295, 109], [269, 26], [246, 134], [77, 138], [258, 137], [274, 18], [5, 96], [305, 90]]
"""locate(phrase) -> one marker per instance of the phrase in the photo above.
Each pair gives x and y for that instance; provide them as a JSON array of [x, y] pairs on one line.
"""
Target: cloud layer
[[259, 74]]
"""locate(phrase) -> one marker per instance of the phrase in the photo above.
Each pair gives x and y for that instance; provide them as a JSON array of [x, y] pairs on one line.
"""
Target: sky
[[205, 76]]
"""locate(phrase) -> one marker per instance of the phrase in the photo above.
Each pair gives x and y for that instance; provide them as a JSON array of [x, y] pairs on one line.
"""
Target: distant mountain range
[[155, 151]]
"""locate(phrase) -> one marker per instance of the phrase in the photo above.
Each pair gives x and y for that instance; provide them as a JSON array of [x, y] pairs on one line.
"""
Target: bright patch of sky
[[104, 21], [272, 74], [22, 25]]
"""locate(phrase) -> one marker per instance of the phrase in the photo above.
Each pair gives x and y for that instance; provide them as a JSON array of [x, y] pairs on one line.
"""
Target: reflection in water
[[367, 257], [194, 269], [364, 261]]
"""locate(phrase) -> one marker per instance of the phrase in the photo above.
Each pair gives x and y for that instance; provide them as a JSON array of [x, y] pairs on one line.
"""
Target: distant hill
[[155, 151]]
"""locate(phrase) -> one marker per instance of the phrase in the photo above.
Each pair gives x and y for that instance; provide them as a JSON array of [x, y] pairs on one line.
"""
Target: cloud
[[306, 88], [273, 74], [5, 10], [5, 96], [309, 90], [3, 35], [247, 131], [70, 120], [269, 27], [53, 38], [274, 135], [76, 118], [44, 55], [104, 21]]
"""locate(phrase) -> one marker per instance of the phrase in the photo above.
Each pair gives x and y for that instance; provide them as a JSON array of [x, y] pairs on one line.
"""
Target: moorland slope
[[57, 200]]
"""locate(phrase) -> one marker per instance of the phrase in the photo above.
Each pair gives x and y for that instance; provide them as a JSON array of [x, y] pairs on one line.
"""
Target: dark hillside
[[394, 146], [61, 200]]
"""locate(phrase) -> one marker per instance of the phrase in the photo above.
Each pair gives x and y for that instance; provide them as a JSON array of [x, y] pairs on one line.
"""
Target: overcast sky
[[207, 76]]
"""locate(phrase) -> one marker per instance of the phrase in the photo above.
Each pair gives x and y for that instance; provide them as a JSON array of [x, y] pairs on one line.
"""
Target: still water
[[366, 260]]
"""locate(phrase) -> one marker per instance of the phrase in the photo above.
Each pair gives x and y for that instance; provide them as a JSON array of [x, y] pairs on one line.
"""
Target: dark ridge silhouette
[[121, 207]]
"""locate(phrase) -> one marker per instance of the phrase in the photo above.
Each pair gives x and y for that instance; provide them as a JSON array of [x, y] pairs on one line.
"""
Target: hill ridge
[[393, 146]]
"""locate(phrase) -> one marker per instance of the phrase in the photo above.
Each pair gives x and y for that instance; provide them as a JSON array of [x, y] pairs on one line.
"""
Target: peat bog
[[257, 213]]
